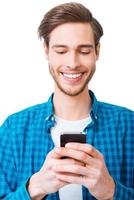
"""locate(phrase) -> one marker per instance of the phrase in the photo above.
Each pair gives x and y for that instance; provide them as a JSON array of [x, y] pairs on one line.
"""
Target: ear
[[97, 51], [46, 50]]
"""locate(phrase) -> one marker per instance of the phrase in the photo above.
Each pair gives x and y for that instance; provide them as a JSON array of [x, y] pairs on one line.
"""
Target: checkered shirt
[[25, 141]]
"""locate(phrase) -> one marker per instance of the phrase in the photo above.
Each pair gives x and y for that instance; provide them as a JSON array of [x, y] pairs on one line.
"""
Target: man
[[31, 159]]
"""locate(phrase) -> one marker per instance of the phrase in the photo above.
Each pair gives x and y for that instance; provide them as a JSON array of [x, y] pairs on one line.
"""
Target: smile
[[73, 76]]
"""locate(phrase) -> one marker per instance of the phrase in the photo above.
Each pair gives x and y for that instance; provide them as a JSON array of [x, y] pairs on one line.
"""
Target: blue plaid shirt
[[25, 141]]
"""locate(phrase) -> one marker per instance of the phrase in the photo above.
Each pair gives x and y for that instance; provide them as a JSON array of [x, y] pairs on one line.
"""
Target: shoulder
[[104, 107], [115, 114], [26, 116], [30, 112], [107, 110]]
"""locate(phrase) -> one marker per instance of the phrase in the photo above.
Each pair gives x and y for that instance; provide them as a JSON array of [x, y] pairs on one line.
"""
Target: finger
[[72, 178], [77, 155], [51, 158], [67, 161], [87, 148], [76, 179], [50, 176], [89, 172], [54, 154], [75, 169]]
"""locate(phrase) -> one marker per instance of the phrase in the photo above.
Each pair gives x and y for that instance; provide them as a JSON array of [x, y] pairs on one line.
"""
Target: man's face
[[72, 57]]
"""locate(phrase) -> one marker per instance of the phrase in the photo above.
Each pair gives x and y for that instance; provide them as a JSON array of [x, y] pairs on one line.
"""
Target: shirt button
[[52, 118]]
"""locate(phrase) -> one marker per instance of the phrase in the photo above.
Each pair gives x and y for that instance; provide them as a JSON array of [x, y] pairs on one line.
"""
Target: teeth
[[72, 75]]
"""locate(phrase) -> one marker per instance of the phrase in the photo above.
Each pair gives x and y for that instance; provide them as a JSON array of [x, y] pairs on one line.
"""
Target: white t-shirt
[[71, 191]]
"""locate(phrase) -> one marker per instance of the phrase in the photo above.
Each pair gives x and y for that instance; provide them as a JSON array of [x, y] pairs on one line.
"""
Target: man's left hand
[[93, 175]]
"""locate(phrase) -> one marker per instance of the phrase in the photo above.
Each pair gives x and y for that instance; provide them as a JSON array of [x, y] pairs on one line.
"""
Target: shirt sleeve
[[19, 193], [8, 169], [123, 192], [126, 125]]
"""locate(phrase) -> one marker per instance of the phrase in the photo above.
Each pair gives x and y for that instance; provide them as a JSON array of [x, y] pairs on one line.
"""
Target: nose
[[72, 60]]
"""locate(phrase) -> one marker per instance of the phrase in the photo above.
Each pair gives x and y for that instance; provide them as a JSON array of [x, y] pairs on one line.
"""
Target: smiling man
[[31, 159], [72, 61]]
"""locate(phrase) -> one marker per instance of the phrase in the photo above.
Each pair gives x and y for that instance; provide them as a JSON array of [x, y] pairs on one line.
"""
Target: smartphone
[[72, 137]]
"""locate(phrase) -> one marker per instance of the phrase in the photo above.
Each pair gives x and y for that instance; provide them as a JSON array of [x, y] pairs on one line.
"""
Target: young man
[[31, 159]]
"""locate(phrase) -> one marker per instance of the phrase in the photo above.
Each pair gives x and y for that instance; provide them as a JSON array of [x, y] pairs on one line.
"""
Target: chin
[[72, 92]]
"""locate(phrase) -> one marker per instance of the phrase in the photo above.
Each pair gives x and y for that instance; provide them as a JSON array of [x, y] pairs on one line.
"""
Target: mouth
[[72, 77]]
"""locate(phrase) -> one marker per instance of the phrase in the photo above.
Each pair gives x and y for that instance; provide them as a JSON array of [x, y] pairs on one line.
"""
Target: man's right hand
[[45, 182]]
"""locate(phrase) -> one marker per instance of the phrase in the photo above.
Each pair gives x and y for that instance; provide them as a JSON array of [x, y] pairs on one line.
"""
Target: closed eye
[[60, 52], [84, 52]]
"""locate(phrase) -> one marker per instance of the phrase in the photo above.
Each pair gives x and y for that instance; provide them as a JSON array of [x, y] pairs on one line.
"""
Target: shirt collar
[[94, 105], [50, 110]]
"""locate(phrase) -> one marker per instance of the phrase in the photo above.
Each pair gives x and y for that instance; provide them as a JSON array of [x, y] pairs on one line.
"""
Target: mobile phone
[[72, 137]]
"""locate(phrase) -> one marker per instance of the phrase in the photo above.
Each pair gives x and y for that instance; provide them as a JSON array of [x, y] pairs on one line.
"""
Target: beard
[[71, 91]]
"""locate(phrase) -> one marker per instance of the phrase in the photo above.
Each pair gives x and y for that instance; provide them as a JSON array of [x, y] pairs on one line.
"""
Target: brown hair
[[68, 12]]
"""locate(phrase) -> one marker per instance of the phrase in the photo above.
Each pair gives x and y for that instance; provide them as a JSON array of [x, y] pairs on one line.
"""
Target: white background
[[24, 76]]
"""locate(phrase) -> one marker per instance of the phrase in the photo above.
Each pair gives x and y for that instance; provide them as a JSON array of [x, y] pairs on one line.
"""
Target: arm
[[38, 185], [93, 175], [40, 182], [125, 189], [8, 171], [123, 192]]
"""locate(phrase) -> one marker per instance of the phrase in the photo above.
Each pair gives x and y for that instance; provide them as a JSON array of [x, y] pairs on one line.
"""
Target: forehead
[[72, 34]]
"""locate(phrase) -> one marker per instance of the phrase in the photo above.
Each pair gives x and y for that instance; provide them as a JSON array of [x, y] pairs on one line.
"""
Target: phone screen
[[73, 137]]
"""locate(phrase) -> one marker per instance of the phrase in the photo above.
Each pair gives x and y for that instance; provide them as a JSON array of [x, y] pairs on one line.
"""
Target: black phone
[[72, 137]]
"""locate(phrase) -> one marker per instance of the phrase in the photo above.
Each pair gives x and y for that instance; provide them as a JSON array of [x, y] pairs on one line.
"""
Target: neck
[[72, 107]]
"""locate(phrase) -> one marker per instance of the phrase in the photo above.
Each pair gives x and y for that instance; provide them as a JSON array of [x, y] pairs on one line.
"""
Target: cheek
[[52, 62], [89, 60], [90, 64], [55, 61]]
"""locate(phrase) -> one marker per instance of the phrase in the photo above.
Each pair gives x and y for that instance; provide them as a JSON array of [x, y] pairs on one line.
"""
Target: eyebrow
[[79, 46]]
